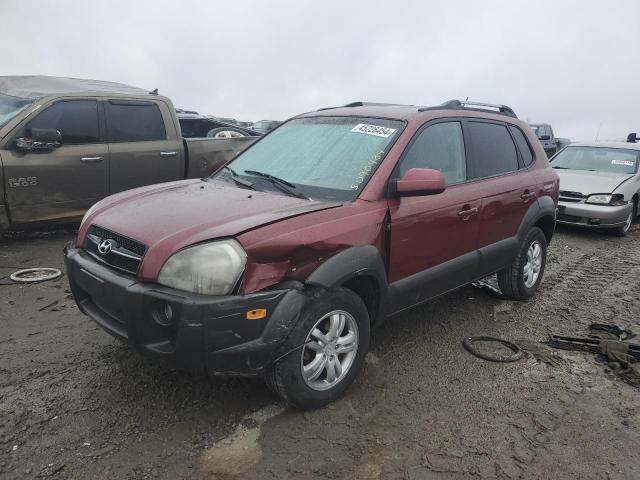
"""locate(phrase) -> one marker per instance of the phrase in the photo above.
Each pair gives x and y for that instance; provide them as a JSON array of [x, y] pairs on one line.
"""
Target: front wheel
[[624, 229], [523, 277], [327, 349]]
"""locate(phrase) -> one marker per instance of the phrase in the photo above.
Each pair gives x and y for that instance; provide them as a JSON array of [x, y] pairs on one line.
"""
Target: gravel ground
[[75, 403]]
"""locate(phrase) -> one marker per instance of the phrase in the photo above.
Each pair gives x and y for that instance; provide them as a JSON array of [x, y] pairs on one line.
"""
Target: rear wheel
[[522, 278], [333, 338]]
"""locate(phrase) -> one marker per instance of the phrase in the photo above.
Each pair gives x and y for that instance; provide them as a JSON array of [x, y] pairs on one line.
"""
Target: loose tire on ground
[[285, 377], [511, 280]]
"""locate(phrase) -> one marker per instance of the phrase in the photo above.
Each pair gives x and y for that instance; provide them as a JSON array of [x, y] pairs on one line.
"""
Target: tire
[[624, 229], [511, 280], [226, 132], [286, 378]]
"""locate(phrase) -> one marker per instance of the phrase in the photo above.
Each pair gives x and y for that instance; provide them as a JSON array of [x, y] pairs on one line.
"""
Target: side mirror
[[39, 139], [419, 182], [46, 135], [545, 137]]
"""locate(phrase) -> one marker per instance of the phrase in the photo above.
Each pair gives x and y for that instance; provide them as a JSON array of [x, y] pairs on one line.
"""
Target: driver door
[[434, 238], [61, 182]]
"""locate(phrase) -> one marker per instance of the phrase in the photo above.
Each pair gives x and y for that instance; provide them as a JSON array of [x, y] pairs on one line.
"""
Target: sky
[[573, 64]]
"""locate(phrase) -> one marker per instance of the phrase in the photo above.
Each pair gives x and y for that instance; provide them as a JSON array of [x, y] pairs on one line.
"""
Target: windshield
[[330, 158], [11, 106], [597, 159]]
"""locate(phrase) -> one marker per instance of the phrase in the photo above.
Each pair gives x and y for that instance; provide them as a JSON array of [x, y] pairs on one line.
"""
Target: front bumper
[[206, 332], [592, 216]]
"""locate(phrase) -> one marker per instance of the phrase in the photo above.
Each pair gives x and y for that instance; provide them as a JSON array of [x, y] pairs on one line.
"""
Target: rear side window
[[523, 146], [76, 120], [440, 147], [492, 149], [134, 122]]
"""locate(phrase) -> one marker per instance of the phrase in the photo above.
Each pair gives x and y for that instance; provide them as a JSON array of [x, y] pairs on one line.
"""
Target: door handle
[[468, 212], [91, 159], [168, 154], [527, 195]]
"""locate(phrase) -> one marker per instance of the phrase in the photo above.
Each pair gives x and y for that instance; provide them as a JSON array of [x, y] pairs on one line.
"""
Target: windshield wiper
[[281, 184], [240, 181], [562, 168]]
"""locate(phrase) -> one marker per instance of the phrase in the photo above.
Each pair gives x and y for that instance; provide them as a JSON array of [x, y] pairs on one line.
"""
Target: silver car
[[599, 185]]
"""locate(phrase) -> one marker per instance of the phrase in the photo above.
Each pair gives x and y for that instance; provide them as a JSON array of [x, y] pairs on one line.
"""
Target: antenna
[[598, 133]]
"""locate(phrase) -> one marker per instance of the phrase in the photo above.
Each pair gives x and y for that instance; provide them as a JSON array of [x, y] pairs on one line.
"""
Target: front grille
[[126, 254], [571, 196], [569, 218], [131, 245]]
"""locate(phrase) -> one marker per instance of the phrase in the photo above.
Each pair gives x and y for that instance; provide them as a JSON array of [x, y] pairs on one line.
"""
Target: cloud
[[572, 64]]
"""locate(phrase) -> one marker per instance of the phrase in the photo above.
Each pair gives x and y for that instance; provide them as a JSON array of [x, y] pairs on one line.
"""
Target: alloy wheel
[[329, 350], [533, 264]]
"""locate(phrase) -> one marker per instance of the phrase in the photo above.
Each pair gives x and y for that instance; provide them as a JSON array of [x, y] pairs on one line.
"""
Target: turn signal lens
[[257, 314]]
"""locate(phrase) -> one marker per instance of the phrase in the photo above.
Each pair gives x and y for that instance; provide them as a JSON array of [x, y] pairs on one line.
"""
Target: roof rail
[[361, 104], [478, 106]]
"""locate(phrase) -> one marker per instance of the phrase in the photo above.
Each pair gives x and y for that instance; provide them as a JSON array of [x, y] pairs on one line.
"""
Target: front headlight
[[209, 269], [616, 199], [599, 198]]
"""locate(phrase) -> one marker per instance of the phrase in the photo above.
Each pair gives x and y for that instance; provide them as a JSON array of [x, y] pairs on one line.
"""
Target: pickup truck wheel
[[332, 337], [522, 278]]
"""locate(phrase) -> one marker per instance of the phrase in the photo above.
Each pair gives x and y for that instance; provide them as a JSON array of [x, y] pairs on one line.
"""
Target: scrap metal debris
[[608, 331], [623, 358], [490, 286]]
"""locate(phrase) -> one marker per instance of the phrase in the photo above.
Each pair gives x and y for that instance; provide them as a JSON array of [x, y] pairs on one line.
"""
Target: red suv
[[279, 264]]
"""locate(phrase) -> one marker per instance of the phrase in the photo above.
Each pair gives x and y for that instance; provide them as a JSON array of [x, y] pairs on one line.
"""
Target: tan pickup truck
[[66, 143]]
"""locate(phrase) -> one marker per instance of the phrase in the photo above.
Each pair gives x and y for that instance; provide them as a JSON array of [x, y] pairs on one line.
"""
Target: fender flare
[[358, 261], [542, 207]]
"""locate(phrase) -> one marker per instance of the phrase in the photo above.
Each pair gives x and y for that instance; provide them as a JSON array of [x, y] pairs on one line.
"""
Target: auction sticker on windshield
[[628, 163], [375, 130]]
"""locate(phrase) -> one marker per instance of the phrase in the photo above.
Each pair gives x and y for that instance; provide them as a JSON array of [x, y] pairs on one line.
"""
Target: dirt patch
[[240, 451], [75, 403]]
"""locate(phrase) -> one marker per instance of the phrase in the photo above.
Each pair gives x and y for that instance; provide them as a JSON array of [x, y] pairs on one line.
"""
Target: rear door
[[507, 188], [61, 182], [144, 146], [434, 239]]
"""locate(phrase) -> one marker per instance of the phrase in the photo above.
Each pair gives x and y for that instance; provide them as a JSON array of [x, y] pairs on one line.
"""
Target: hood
[[587, 183], [172, 216]]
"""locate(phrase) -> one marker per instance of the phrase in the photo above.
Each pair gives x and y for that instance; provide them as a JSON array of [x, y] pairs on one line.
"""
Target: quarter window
[[440, 147], [76, 120], [135, 122], [523, 146], [493, 150]]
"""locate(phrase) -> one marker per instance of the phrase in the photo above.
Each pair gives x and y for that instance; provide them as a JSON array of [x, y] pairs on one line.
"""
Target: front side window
[[76, 120], [134, 122], [493, 151], [321, 157], [597, 159], [440, 147], [11, 106]]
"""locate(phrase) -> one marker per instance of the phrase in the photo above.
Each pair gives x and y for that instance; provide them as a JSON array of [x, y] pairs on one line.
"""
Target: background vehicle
[[194, 125], [599, 185], [66, 143], [265, 126], [393, 205], [549, 141]]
